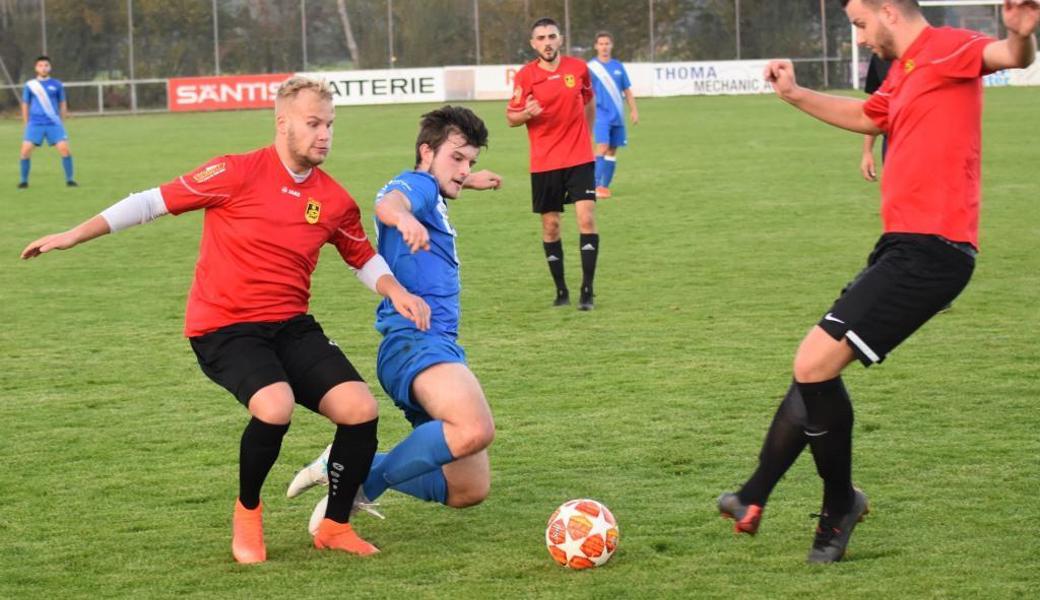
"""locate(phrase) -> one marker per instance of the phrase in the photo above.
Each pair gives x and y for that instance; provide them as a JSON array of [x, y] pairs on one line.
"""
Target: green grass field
[[735, 223]]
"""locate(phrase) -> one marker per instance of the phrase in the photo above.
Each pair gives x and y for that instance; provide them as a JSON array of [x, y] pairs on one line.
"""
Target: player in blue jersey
[[444, 459], [43, 111], [610, 83]]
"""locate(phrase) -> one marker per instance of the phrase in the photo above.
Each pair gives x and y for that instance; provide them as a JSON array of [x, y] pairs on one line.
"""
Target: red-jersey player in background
[[552, 95], [268, 214]]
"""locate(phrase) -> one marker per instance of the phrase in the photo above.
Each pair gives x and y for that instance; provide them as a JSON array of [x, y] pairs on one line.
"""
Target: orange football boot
[[247, 534], [341, 536]]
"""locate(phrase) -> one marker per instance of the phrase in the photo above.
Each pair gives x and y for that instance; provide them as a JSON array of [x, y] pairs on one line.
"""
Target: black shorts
[[909, 277], [245, 357], [550, 190]]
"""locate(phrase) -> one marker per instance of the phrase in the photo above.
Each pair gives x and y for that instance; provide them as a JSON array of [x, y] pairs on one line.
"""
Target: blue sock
[[423, 451], [609, 164], [431, 487], [66, 163], [600, 167], [25, 164]]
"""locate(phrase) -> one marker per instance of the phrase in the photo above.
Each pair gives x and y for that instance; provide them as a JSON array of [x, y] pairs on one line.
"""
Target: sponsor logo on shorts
[[568, 80], [209, 172], [313, 212], [831, 317]]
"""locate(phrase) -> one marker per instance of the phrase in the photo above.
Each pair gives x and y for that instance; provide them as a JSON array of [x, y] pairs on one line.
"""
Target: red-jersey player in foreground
[[268, 214], [930, 106]]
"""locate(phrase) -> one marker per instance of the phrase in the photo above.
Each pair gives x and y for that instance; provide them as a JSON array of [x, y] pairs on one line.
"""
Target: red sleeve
[[521, 89], [209, 185], [586, 84], [965, 58], [351, 240], [876, 108]]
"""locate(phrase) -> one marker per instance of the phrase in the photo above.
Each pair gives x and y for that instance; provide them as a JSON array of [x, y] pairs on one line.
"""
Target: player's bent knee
[[349, 403], [473, 439], [471, 494], [812, 369], [273, 404]]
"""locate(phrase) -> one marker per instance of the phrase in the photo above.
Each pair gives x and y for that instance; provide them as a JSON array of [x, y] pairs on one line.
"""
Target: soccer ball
[[581, 534]]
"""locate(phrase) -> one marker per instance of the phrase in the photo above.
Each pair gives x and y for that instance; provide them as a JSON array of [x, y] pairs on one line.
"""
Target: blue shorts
[[612, 135], [402, 356], [53, 134]]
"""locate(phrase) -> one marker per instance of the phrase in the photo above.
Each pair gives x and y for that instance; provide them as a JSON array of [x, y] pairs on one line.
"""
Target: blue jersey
[[432, 274], [609, 82], [44, 98]]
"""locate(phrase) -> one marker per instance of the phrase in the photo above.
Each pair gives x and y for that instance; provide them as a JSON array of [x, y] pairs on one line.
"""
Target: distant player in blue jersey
[[445, 457], [610, 83], [43, 111]]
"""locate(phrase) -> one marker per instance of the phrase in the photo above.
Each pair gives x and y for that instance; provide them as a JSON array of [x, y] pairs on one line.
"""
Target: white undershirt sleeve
[[136, 209], [375, 268]]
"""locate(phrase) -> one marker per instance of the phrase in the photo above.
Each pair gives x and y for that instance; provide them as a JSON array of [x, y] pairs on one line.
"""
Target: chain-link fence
[[110, 42]]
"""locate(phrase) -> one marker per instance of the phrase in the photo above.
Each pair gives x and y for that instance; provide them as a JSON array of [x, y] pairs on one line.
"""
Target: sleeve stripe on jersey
[[961, 49], [198, 193], [350, 237]]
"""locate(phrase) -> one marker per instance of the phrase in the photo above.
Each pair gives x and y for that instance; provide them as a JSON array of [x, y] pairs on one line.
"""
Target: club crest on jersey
[[313, 211], [209, 172], [568, 80], [909, 66]]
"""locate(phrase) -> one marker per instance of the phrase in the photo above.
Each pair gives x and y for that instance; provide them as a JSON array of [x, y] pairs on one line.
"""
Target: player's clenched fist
[[532, 107], [1021, 16], [780, 73]]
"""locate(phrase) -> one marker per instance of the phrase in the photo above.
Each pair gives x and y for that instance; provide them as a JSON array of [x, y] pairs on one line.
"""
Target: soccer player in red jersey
[[930, 106], [552, 95], [268, 214]]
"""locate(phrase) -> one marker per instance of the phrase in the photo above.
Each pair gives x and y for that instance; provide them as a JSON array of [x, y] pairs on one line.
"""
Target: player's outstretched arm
[[394, 210], [846, 113], [1018, 50], [94, 227], [483, 180], [135, 209]]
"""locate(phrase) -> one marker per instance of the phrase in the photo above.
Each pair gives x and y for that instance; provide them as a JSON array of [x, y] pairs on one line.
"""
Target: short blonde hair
[[292, 87]]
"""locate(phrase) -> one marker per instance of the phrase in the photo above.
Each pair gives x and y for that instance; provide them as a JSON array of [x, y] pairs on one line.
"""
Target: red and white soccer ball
[[582, 534]]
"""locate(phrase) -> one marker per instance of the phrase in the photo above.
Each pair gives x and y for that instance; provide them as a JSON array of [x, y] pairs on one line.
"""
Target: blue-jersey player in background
[[444, 459], [44, 109], [610, 83]]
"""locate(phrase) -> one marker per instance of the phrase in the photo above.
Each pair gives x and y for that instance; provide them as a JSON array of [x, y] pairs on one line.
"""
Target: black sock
[[829, 418], [349, 462], [589, 244], [784, 441], [554, 256], [257, 452]]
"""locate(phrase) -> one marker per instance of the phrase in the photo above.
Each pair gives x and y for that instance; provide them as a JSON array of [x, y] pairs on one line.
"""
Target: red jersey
[[560, 136], [930, 105], [261, 237]]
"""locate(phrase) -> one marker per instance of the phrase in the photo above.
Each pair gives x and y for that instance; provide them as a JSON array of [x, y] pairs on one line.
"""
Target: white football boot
[[316, 473]]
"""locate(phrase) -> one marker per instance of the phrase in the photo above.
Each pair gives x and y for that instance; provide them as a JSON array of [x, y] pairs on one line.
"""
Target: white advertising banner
[[384, 86], [729, 77], [1027, 76], [494, 82]]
